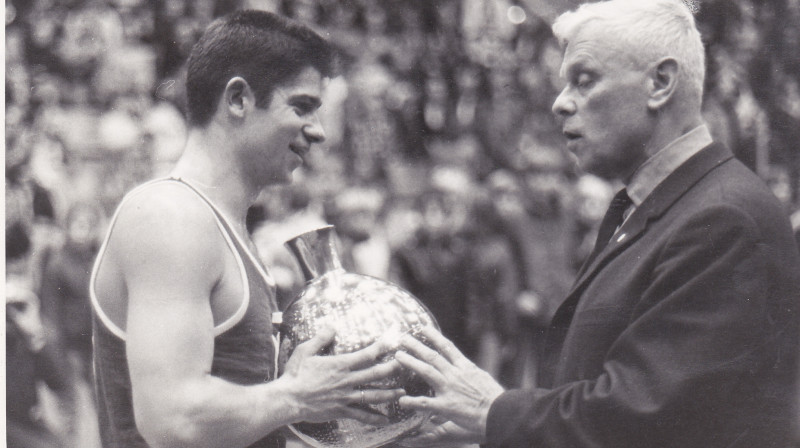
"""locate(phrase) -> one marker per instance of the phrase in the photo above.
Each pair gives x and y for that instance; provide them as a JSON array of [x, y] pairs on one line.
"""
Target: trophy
[[361, 309]]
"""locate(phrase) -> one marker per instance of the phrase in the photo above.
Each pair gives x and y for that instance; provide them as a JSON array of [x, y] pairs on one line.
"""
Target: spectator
[[531, 220], [495, 280], [33, 360], [434, 265], [285, 212], [66, 305], [30, 206], [356, 213]]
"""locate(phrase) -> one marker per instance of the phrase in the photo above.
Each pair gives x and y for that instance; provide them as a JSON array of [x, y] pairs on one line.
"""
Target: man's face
[[279, 136], [603, 107], [81, 229]]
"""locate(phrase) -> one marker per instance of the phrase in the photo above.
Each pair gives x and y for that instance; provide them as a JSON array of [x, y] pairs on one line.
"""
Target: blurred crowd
[[443, 169]]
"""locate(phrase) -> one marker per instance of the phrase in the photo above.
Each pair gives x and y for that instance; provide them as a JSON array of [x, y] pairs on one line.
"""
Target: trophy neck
[[316, 252]]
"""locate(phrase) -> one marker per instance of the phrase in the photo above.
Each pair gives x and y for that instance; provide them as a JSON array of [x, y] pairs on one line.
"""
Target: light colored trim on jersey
[[259, 266], [109, 324], [218, 216], [219, 329]]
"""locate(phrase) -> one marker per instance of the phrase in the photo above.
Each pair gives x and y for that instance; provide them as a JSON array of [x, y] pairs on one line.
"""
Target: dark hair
[[263, 48], [18, 243]]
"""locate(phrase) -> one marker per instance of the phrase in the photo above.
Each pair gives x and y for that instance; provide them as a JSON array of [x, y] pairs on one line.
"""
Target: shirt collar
[[655, 169]]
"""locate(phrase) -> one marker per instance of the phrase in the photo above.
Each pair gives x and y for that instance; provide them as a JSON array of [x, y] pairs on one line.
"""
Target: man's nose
[[313, 131], [563, 105]]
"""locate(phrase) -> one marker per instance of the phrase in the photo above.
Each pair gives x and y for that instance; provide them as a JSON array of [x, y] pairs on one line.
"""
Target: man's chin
[[582, 158], [603, 173], [597, 168], [291, 171], [288, 179], [278, 180]]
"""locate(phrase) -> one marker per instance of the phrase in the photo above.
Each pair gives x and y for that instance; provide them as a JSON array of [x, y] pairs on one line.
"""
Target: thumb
[[313, 346]]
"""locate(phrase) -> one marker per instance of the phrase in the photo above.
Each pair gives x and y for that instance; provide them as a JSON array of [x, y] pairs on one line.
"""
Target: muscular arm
[[172, 262]]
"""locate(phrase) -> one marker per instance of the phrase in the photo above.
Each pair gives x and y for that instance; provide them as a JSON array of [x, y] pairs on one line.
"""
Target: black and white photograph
[[402, 223]]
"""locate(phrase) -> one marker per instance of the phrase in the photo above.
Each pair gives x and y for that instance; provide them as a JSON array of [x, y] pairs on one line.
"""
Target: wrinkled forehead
[[593, 44]]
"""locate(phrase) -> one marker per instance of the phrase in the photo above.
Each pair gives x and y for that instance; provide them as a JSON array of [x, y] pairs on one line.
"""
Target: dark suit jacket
[[681, 333]]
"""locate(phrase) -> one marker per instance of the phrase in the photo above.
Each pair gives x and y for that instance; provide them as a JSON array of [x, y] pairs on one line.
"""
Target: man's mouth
[[301, 151], [571, 136]]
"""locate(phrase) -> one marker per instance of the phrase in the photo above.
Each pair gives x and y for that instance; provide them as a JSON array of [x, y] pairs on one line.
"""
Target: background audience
[[443, 168]]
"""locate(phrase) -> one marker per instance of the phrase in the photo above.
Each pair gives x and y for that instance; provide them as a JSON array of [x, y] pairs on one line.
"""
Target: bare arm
[[171, 265]]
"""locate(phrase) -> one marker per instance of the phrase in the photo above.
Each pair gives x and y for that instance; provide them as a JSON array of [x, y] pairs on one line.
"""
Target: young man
[[681, 329], [185, 351]]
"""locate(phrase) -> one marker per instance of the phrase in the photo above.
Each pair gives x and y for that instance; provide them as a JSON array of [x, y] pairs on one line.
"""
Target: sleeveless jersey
[[244, 345]]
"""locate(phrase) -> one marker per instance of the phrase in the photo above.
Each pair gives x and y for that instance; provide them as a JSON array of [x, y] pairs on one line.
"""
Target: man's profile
[[681, 329], [183, 336]]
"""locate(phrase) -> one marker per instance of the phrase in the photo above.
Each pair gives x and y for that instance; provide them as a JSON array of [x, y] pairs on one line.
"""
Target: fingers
[[443, 345], [424, 403], [429, 373], [367, 356], [425, 353], [318, 342], [367, 417], [442, 435], [374, 373], [437, 420], [375, 396], [421, 403]]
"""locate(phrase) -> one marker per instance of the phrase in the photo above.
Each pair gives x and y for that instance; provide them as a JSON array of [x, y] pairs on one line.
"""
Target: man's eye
[[584, 80], [303, 109]]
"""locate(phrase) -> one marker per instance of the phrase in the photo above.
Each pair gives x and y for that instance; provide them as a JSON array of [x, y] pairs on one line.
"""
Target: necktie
[[612, 220]]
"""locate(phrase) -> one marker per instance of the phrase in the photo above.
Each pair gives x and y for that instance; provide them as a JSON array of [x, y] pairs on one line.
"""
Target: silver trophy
[[361, 309]]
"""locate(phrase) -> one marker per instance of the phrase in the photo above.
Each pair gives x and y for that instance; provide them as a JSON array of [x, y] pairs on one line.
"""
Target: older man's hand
[[464, 392], [440, 434]]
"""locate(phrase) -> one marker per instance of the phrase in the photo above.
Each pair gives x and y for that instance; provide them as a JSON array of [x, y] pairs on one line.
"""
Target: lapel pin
[[621, 237]]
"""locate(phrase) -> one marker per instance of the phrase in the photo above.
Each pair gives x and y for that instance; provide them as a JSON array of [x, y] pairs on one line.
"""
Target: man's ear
[[662, 83], [238, 98]]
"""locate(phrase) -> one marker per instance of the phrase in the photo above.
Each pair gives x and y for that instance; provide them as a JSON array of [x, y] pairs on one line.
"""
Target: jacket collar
[[664, 162], [653, 207]]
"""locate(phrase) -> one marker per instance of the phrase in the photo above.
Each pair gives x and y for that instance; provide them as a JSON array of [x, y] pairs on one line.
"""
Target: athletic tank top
[[244, 345]]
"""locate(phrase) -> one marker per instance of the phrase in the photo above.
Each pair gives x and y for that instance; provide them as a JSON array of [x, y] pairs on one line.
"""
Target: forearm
[[212, 412]]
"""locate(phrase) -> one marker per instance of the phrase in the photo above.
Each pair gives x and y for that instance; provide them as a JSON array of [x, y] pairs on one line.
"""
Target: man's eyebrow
[[579, 65], [309, 100]]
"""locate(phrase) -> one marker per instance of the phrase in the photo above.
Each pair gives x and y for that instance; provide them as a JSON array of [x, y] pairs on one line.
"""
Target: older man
[[681, 328]]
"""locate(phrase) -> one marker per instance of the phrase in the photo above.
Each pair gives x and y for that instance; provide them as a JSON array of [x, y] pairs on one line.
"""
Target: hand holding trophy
[[360, 310]]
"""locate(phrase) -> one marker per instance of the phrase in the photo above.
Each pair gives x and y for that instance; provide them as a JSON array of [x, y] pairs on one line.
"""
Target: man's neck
[[209, 163], [659, 166], [670, 129]]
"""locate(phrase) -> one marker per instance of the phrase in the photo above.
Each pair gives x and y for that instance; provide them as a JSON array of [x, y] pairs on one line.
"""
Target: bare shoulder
[[166, 227]]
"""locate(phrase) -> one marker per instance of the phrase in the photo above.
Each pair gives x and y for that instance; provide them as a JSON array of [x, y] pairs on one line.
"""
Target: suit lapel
[[654, 206]]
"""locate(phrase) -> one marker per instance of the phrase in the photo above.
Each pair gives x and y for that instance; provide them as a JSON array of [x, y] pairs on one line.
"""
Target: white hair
[[651, 29]]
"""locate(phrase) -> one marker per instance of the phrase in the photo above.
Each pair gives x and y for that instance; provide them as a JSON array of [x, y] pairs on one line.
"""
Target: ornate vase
[[361, 309]]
